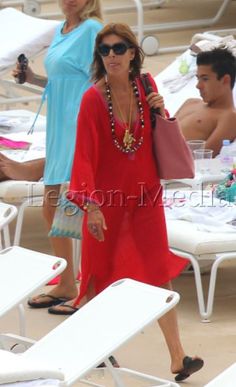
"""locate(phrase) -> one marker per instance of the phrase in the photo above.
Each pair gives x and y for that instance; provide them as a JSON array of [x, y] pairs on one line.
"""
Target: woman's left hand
[[156, 101], [96, 224]]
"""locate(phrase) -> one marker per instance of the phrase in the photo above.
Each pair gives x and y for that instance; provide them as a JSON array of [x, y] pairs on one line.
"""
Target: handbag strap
[[147, 90], [146, 83]]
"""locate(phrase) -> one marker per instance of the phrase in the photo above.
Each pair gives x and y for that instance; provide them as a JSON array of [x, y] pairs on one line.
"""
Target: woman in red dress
[[114, 179]]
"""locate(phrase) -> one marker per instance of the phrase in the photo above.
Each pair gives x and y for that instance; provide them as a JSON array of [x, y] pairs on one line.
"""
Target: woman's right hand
[[96, 224], [29, 74], [156, 101]]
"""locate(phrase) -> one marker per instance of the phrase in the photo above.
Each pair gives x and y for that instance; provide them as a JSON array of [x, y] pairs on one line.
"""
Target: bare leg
[[62, 248], [169, 326], [14, 170], [73, 303]]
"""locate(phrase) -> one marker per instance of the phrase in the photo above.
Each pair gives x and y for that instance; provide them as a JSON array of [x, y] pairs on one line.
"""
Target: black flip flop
[[190, 365], [69, 309], [53, 301]]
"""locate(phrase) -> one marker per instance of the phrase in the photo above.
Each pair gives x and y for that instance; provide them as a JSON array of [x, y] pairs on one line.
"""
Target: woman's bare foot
[[14, 170], [56, 296]]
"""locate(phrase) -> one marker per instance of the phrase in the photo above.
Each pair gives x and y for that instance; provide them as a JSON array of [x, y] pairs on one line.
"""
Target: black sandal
[[190, 365], [68, 311]]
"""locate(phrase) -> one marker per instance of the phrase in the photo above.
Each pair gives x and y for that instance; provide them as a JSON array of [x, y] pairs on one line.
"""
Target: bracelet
[[90, 207], [39, 79]]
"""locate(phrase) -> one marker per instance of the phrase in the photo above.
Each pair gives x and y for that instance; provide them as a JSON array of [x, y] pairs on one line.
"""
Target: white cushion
[[184, 235], [12, 191], [15, 368], [21, 120], [25, 34]]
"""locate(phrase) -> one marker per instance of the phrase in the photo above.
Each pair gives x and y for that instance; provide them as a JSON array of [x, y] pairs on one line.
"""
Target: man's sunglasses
[[117, 48]]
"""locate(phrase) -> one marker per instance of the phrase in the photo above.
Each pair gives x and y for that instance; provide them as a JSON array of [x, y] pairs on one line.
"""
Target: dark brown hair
[[124, 32], [221, 60]]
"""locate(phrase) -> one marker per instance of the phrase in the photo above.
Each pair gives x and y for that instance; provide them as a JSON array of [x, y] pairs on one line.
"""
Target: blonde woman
[[68, 76]]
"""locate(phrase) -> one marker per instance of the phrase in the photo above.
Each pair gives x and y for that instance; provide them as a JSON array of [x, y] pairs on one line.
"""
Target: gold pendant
[[128, 139]]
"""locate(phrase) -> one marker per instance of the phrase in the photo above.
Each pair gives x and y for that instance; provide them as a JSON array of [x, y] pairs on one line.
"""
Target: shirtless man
[[212, 118]]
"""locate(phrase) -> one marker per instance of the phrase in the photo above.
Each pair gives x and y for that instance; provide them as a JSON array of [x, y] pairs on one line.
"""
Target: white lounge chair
[[27, 271], [20, 33], [7, 214], [71, 350], [150, 44], [224, 379], [153, 47], [198, 231], [187, 241]]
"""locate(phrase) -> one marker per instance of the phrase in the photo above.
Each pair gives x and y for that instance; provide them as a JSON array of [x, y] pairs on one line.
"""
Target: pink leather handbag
[[173, 157], [172, 154]]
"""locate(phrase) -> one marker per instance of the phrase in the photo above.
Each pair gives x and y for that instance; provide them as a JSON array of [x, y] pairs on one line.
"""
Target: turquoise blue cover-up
[[67, 64]]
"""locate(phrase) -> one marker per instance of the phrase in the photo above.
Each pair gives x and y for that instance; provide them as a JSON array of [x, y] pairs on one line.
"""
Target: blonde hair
[[92, 9]]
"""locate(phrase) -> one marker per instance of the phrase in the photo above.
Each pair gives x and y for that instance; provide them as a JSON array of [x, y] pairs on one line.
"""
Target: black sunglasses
[[117, 48]]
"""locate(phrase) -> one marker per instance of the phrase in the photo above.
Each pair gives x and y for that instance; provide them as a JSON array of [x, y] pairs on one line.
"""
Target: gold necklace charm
[[129, 144], [128, 139]]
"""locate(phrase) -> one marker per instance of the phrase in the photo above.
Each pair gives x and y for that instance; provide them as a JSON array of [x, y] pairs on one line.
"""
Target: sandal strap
[[44, 295], [64, 305]]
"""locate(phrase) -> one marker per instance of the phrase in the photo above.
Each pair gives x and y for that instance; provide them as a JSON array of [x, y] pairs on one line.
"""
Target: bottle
[[23, 64], [184, 67], [226, 158]]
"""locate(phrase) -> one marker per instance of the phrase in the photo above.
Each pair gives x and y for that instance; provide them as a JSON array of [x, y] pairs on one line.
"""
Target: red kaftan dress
[[128, 189]]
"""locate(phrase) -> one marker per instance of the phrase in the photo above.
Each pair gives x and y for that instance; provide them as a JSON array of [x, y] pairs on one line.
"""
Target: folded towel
[[180, 75], [177, 82], [34, 383], [7, 143], [207, 44], [201, 208]]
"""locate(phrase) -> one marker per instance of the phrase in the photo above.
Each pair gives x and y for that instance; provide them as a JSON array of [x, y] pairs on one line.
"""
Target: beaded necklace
[[128, 138], [129, 143]]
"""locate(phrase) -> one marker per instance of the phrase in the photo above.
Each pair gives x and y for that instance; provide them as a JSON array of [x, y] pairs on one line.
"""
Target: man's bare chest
[[200, 120]]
